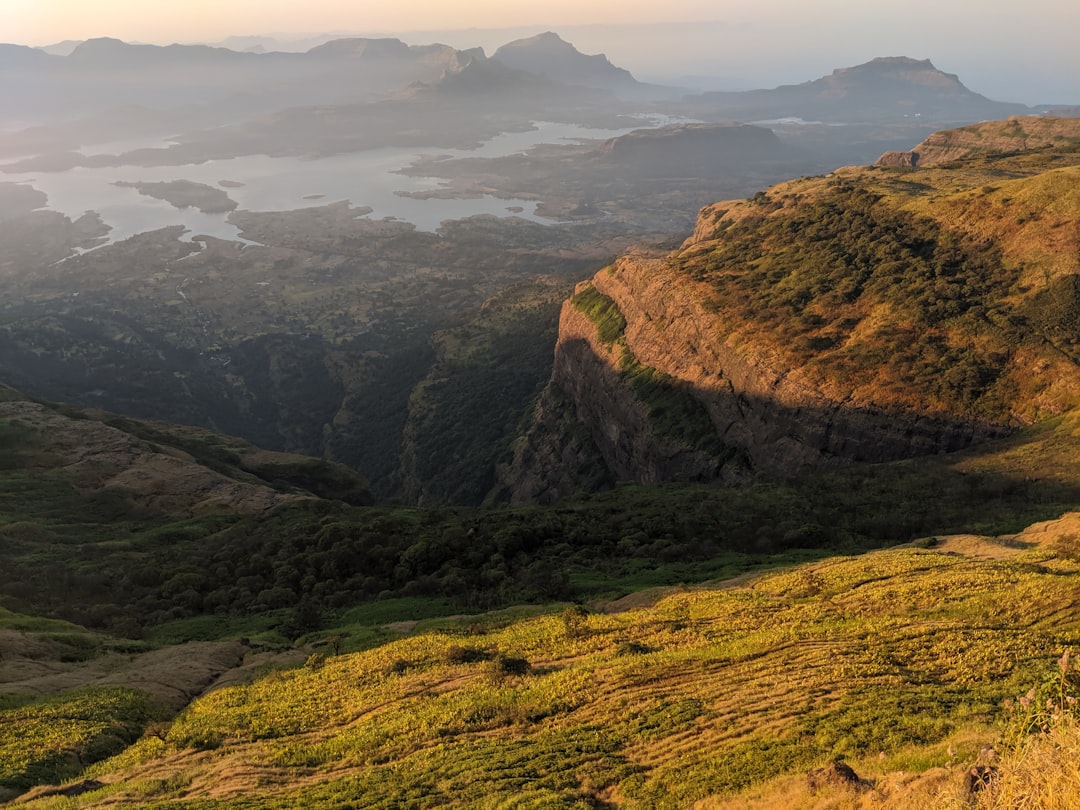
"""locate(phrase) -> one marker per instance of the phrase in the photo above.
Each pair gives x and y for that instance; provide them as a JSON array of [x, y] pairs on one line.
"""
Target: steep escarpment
[[870, 315], [989, 138]]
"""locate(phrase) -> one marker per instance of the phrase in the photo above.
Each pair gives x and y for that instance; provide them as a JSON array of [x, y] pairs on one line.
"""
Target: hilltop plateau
[[883, 89], [868, 314], [986, 140]]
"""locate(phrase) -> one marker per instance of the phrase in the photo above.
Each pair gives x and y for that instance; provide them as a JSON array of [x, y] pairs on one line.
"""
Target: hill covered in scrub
[[899, 662], [986, 140], [868, 314]]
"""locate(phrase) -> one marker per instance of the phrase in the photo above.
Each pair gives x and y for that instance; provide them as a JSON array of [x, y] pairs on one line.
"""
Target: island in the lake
[[185, 194]]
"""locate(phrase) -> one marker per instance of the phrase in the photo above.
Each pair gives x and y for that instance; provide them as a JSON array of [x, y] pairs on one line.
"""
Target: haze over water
[[368, 178]]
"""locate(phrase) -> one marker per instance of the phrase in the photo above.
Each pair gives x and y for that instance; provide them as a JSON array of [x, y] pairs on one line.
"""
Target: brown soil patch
[[174, 676]]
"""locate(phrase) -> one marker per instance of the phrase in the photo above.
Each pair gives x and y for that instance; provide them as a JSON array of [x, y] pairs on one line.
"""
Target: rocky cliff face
[[779, 417], [929, 333], [1017, 134]]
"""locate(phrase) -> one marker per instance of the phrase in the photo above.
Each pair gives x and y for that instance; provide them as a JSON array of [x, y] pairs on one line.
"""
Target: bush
[[502, 666]]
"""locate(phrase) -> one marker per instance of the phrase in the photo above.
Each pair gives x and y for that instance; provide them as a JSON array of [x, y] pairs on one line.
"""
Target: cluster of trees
[[312, 558]]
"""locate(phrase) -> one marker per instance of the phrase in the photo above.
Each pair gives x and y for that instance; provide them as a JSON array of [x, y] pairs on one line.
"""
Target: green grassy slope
[[892, 658]]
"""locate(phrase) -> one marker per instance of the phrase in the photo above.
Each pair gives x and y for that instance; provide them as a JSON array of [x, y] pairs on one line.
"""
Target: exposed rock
[[555, 458], [818, 381], [778, 416], [588, 370], [904, 160], [1017, 134], [836, 774]]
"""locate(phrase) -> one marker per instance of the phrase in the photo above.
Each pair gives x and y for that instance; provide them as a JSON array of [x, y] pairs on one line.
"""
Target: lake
[[365, 178]]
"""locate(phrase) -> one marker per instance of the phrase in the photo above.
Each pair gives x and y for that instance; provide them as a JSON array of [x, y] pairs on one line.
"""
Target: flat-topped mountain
[[870, 314], [362, 48], [883, 89], [109, 52], [689, 150]]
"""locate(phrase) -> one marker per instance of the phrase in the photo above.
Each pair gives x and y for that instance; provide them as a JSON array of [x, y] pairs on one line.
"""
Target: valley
[[662, 450]]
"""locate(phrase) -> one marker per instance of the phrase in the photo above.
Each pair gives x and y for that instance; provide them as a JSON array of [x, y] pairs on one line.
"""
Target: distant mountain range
[[107, 73], [883, 89]]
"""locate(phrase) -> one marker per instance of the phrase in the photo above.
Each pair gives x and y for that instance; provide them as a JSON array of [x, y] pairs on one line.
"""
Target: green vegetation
[[813, 275], [315, 342], [464, 416], [708, 693], [674, 413], [108, 559], [602, 311], [804, 646], [54, 739]]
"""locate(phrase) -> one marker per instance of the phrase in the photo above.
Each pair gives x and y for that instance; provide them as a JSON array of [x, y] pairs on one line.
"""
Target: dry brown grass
[[1042, 774]]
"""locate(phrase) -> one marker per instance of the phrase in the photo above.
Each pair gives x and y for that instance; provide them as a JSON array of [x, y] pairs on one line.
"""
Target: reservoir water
[[263, 183]]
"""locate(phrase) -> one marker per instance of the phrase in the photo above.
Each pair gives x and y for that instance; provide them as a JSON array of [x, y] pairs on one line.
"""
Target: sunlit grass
[[889, 657]]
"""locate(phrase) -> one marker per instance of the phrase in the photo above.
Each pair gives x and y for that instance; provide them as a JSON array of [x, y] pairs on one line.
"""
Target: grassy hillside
[[947, 289], [898, 660]]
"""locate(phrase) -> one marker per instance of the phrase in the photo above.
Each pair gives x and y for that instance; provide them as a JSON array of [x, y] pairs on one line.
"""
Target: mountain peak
[[549, 55], [885, 88], [898, 68], [100, 45], [547, 38], [362, 47]]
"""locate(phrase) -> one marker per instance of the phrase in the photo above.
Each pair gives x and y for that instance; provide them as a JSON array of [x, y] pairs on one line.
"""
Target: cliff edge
[[869, 315]]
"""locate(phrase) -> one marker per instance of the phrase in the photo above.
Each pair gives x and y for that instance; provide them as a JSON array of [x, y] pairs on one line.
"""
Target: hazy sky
[[1017, 52], [43, 21]]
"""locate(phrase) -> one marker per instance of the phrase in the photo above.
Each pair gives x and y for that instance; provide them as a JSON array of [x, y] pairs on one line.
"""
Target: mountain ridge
[[792, 368], [885, 88]]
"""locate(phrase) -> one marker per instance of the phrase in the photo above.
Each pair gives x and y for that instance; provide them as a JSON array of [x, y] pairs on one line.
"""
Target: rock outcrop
[[821, 322], [777, 416], [987, 139]]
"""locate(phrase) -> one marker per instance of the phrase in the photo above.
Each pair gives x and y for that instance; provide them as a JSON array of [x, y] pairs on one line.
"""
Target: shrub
[[502, 666]]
